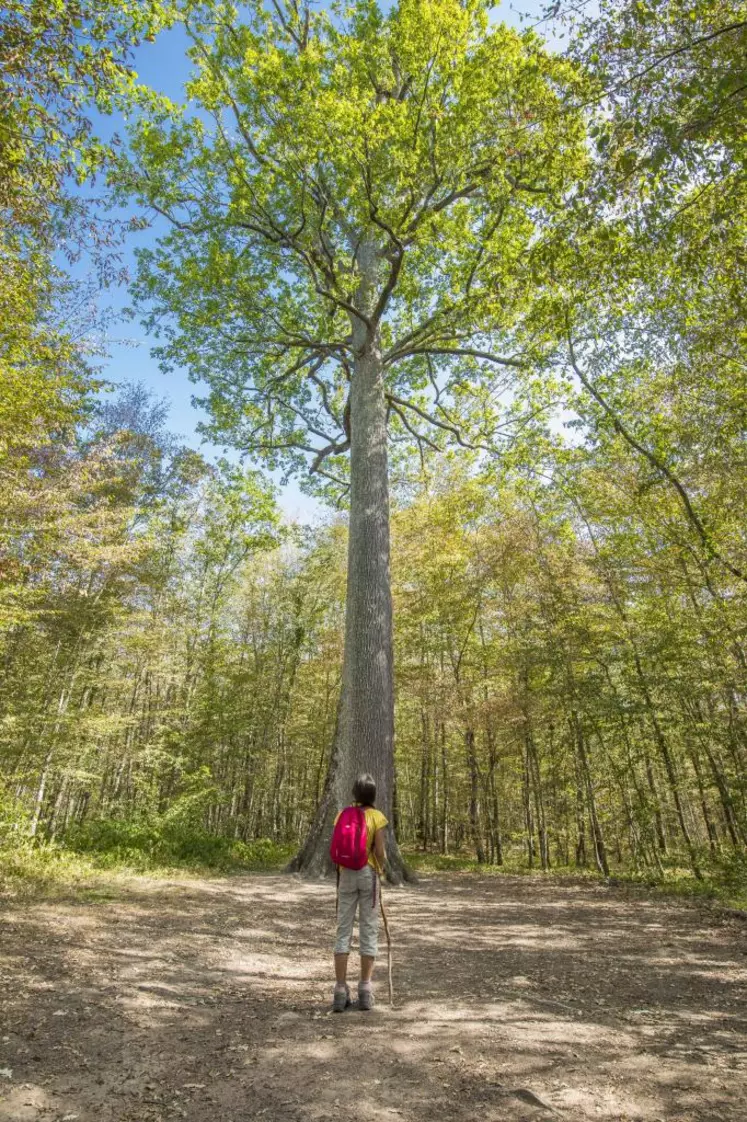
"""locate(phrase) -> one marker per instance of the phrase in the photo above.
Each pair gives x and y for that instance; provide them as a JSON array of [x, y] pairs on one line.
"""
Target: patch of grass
[[151, 845], [468, 863], [89, 866], [724, 882], [30, 871], [715, 888], [445, 863]]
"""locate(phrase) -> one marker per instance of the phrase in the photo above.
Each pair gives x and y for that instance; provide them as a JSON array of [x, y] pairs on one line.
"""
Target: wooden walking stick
[[388, 946]]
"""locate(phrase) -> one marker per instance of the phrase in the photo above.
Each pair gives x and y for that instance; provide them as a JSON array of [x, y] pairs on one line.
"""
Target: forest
[[482, 294]]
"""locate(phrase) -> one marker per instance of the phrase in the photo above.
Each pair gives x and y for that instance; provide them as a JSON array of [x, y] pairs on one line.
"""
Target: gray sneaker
[[365, 998], [341, 999]]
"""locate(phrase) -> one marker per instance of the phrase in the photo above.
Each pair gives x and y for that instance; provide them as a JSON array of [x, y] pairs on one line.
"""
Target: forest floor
[[515, 1000]]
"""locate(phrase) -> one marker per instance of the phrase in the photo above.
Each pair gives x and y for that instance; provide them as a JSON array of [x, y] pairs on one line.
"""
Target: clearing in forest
[[516, 999]]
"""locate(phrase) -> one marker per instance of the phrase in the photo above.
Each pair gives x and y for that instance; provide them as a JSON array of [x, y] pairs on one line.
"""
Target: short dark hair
[[364, 790]]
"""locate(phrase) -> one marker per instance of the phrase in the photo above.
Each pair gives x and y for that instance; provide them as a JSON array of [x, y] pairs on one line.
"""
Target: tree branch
[[653, 460], [683, 49], [413, 432], [470, 352], [450, 428], [332, 449]]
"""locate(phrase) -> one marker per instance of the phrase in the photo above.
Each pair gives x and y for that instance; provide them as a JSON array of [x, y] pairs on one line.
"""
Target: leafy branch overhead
[[440, 146]]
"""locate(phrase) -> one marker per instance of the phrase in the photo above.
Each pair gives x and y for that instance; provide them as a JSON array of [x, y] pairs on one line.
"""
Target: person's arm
[[379, 849]]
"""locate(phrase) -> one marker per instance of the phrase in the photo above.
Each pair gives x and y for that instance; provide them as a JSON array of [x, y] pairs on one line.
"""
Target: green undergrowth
[[87, 862], [152, 845], [723, 883], [90, 863]]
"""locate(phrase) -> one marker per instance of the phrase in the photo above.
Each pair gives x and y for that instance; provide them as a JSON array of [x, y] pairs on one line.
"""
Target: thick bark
[[364, 737]]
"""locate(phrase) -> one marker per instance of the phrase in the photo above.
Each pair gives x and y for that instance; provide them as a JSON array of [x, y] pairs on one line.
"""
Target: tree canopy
[[442, 143]]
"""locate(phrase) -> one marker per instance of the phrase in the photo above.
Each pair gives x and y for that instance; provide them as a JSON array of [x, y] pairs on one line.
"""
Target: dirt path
[[517, 1000]]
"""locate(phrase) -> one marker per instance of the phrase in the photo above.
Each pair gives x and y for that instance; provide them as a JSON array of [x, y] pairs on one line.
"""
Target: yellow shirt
[[375, 820]]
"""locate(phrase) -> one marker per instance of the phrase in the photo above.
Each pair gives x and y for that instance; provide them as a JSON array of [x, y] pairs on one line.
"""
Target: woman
[[357, 890]]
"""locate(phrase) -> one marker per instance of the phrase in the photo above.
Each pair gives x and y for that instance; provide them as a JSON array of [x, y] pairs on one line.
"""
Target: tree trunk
[[496, 846], [474, 795], [445, 807], [364, 736], [423, 815], [600, 850], [663, 745], [527, 796]]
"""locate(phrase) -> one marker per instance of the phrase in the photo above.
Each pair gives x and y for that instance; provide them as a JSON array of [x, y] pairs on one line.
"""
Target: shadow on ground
[[516, 1000]]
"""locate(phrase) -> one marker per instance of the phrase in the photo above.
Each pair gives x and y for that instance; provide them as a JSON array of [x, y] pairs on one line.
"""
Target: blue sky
[[163, 65]]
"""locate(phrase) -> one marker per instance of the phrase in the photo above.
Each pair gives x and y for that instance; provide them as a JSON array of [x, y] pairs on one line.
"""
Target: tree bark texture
[[364, 737]]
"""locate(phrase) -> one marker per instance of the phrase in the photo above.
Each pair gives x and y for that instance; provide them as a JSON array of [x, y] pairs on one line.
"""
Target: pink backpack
[[349, 845]]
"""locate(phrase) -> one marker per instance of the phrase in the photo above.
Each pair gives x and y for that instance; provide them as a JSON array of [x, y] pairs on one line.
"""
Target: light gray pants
[[359, 888]]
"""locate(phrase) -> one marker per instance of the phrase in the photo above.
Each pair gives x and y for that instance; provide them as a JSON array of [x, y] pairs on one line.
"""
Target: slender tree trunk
[[496, 845], [539, 804], [661, 837], [657, 845], [434, 794], [445, 784], [423, 816], [736, 830], [40, 793], [533, 778], [527, 796], [711, 831], [580, 818], [666, 755], [46, 766], [600, 850], [474, 795]]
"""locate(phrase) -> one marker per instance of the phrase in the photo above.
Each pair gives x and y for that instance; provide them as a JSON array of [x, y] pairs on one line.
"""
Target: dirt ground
[[209, 1000]]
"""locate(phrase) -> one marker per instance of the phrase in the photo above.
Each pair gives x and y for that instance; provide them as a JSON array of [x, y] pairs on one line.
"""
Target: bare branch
[[296, 368], [419, 436], [470, 352], [481, 249], [324, 396], [427, 211], [446, 426], [415, 336], [332, 449]]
